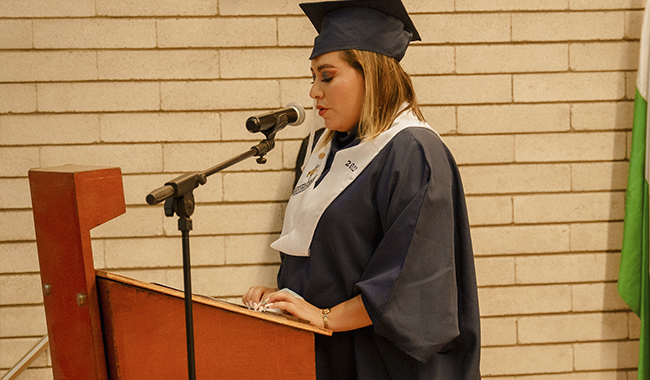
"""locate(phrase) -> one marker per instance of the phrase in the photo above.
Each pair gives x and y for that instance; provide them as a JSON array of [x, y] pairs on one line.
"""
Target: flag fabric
[[633, 276]]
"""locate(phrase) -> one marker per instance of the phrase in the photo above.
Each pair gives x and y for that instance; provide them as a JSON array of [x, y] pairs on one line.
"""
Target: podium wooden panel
[[105, 326]]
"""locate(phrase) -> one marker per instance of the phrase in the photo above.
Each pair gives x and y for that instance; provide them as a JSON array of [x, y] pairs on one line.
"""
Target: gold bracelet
[[325, 313]]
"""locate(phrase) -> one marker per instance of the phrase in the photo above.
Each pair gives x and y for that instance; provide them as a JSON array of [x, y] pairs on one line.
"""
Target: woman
[[375, 242]]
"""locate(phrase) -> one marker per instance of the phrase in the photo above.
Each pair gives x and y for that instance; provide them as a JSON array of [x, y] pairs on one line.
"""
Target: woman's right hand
[[257, 294]]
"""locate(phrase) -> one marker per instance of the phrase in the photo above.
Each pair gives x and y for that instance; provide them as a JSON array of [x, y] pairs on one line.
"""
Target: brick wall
[[534, 97]]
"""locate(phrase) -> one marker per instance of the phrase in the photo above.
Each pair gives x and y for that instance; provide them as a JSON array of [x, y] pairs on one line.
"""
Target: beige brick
[[90, 97], [290, 151], [15, 193], [207, 155], [158, 276], [517, 118], [562, 26], [253, 7], [47, 8], [160, 127], [212, 95], [495, 271], [526, 360], [462, 89], [251, 249], [297, 90], [596, 146], [421, 60], [264, 186], [48, 66], [131, 158], [94, 33], [606, 355], [37, 373], [442, 119], [20, 289], [498, 331], [573, 207], [606, 4], [296, 31], [568, 87], [634, 326], [248, 218], [136, 187], [216, 32], [49, 129], [572, 328], [163, 252], [12, 350], [265, 63], [510, 5], [503, 179], [596, 236], [421, 6], [18, 257], [515, 300], [520, 239], [16, 162], [17, 98], [227, 281], [137, 221], [604, 56], [16, 34], [599, 176], [603, 116], [633, 23], [567, 268], [455, 28], [18, 321], [512, 58], [630, 85], [99, 257], [597, 297], [16, 225], [481, 149], [489, 210], [158, 64], [156, 8], [609, 375]]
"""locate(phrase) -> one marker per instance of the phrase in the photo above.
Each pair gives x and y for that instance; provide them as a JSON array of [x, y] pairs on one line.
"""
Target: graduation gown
[[397, 235]]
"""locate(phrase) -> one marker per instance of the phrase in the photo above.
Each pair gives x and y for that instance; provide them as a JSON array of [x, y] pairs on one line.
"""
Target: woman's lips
[[321, 111]]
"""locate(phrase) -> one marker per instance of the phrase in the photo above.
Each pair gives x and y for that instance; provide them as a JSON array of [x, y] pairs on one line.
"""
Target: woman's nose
[[315, 92]]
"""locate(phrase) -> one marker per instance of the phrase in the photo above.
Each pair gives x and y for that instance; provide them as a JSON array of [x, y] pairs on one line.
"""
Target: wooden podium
[[105, 326]]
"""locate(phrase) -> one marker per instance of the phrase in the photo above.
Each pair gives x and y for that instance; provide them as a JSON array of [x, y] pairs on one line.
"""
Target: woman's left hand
[[295, 306]]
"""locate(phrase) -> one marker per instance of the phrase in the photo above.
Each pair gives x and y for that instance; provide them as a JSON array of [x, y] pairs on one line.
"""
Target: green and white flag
[[633, 277]]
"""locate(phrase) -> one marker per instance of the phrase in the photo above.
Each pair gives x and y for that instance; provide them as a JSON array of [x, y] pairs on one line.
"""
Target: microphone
[[271, 122]]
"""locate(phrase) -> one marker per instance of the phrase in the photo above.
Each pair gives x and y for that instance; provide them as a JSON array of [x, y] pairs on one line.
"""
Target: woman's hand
[[295, 306], [256, 295]]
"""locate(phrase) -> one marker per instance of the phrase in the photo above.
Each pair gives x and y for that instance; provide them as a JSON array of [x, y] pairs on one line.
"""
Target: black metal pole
[[185, 225]]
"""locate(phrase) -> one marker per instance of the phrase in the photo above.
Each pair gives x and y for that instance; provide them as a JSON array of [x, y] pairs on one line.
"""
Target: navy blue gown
[[399, 236]]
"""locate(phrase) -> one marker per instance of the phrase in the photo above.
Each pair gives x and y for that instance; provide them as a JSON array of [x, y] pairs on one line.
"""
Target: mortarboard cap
[[380, 26]]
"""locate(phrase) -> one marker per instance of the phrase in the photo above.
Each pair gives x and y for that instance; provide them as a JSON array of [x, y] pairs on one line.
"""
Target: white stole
[[307, 203]]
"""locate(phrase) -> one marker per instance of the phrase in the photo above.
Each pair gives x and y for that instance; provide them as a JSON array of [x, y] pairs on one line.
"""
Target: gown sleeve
[[409, 286]]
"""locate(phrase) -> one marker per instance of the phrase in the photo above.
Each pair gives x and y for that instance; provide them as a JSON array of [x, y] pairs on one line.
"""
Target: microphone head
[[300, 110]]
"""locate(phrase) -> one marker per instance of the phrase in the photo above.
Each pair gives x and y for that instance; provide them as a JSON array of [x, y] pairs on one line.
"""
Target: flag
[[633, 276]]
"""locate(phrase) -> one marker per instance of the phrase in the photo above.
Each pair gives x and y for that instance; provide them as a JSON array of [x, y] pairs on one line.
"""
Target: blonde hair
[[387, 89]]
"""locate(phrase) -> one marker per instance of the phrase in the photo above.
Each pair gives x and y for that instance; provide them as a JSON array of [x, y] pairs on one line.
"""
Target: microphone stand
[[179, 199]]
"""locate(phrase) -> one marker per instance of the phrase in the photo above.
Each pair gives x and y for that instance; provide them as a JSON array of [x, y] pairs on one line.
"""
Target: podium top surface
[[72, 169], [280, 319]]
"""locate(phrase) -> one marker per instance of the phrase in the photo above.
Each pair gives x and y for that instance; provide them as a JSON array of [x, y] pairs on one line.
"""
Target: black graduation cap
[[380, 26]]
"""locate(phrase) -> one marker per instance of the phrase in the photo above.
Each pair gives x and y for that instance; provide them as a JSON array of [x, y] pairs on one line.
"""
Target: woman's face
[[338, 90]]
